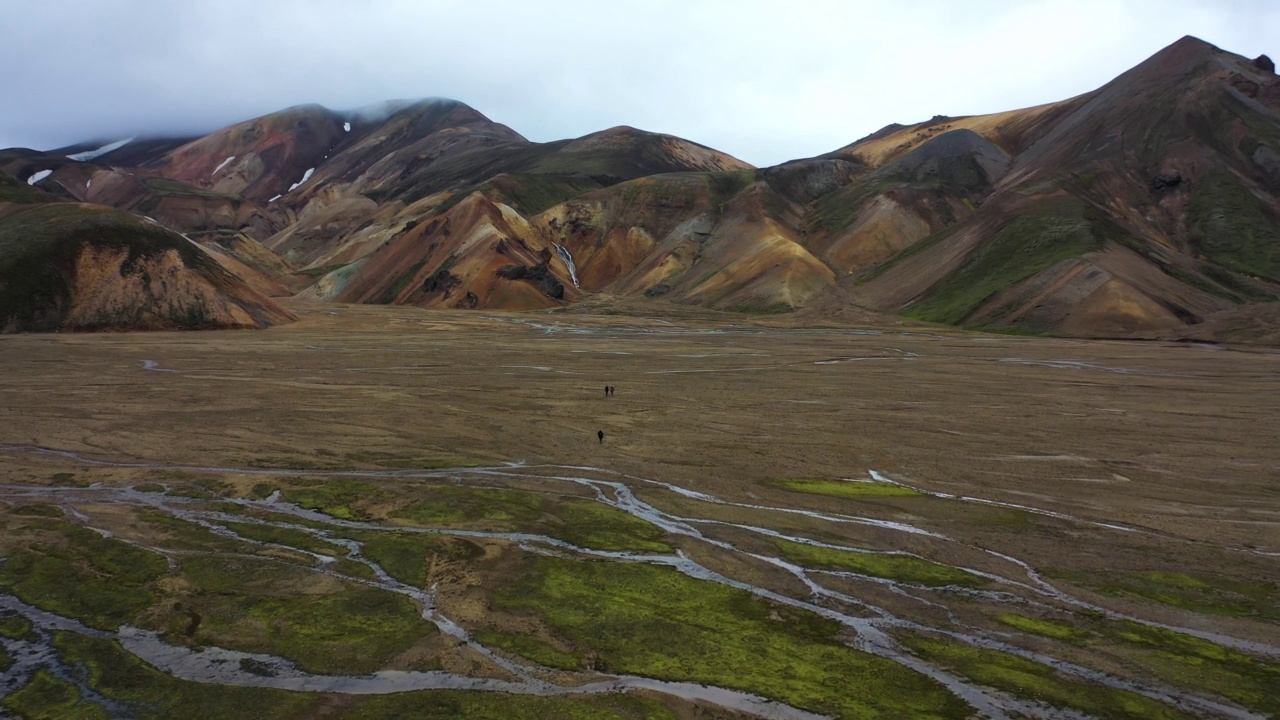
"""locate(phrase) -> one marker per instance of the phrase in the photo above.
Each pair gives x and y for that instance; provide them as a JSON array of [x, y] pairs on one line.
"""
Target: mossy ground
[[285, 536], [269, 607], [1035, 681], [1040, 626], [38, 247], [530, 647], [585, 523], [1175, 658], [1234, 228], [531, 194], [1199, 592], [657, 622], [409, 557], [1046, 233], [901, 568], [14, 627], [153, 695], [149, 693], [75, 572], [46, 697], [1186, 661], [344, 499]]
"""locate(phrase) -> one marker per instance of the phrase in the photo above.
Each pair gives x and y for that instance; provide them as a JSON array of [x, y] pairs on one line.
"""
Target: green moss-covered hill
[[70, 266]]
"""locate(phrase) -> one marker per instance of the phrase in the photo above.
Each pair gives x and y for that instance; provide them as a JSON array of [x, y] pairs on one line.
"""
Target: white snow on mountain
[[305, 177], [221, 165], [91, 154], [39, 176]]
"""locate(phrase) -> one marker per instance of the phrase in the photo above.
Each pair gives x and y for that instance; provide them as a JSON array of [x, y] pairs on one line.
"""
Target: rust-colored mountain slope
[[1147, 208]]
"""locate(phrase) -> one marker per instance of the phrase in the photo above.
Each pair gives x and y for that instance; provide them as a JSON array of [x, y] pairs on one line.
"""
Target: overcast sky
[[764, 81]]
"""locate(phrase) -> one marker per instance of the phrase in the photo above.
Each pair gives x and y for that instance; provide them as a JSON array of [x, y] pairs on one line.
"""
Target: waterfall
[[568, 260]]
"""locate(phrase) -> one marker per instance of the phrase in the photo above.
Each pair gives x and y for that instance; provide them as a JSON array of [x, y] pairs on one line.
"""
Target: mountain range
[[1148, 208]]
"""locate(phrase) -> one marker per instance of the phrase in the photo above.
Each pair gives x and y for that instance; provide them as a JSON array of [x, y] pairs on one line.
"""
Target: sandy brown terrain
[[1089, 461]]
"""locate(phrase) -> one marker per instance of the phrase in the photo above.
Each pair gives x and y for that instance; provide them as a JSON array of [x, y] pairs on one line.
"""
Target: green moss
[[654, 621], [1028, 679], [45, 697], [723, 186], [1040, 626], [590, 524], [1235, 229], [455, 506], [351, 568], [843, 488], [1190, 662], [408, 557], [1035, 239], [38, 248], [531, 648], [343, 499], [175, 534], [285, 536], [261, 491], [14, 627], [1202, 592], [531, 194], [267, 607], [902, 568], [151, 694], [100, 581], [402, 282], [584, 523], [165, 186], [16, 191]]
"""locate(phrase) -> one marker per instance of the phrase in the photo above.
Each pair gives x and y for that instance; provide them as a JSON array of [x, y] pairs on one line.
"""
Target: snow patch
[[305, 177], [346, 127], [88, 183], [277, 197], [39, 176], [221, 165], [91, 154]]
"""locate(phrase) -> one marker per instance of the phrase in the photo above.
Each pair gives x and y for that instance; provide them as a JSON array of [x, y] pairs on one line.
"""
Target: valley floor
[[386, 512]]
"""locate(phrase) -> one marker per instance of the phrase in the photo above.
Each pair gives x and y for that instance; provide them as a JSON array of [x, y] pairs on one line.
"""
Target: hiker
[[606, 391], [600, 434]]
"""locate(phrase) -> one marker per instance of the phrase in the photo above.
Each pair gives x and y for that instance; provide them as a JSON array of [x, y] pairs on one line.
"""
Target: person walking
[[600, 435]]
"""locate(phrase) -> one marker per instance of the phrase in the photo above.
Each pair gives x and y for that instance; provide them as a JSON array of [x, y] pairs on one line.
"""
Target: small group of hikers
[[609, 391]]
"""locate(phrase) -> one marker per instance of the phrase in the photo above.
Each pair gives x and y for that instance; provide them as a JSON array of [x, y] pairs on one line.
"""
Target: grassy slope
[[38, 247], [1049, 231], [657, 622]]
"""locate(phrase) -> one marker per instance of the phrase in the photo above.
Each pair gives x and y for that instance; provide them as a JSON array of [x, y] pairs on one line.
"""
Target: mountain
[[1146, 208], [1142, 208], [71, 266]]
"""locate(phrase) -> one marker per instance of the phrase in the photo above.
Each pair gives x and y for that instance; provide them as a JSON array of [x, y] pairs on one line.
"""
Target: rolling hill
[[1147, 208]]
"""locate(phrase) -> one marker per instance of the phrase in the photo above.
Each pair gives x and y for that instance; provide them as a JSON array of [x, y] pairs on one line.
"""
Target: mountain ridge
[[1139, 209]]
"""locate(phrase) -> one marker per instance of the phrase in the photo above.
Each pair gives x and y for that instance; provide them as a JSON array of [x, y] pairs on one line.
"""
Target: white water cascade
[[568, 260]]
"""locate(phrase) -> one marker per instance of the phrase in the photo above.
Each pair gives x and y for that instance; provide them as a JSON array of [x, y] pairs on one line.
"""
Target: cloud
[[766, 81]]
